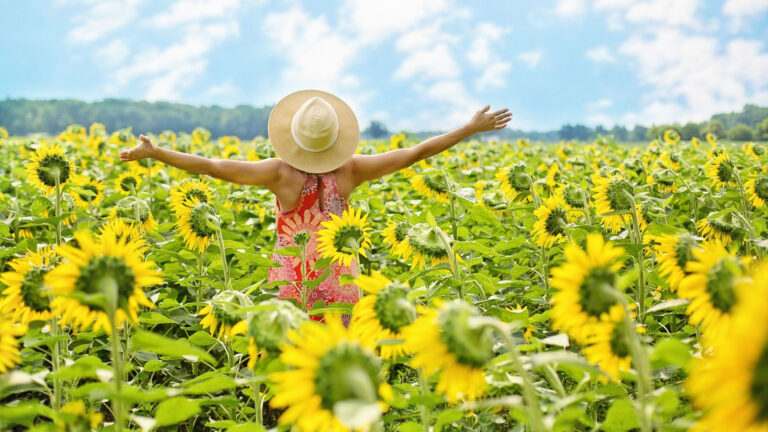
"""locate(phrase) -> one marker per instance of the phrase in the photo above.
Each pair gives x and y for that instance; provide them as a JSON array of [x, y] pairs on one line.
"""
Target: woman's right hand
[[144, 149]]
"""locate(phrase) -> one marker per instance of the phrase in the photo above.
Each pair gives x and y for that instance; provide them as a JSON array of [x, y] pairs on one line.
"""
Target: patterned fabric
[[307, 217]]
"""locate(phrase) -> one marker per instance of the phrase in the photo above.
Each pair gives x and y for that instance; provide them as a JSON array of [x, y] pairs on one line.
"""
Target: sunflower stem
[[303, 276], [639, 259], [200, 263], [744, 205], [57, 208], [425, 410], [223, 254], [111, 290], [454, 227], [529, 393], [56, 358], [640, 359], [694, 200]]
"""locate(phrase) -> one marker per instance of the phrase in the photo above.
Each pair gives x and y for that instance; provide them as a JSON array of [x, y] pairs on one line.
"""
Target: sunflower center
[[683, 248], [401, 231], [101, 269], [471, 346], [556, 221], [392, 307], [436, 183], [618, 342], [725, 171], [88, 197], [759, 387], [32, 289], [573, 197], [761, 187], [198, 220], [346, 372], [196, 194], [758, 149], [519, 180], [424, 239], [722, 277], [128, 184], [617, 195], [593, 297], [347, 236], [50, 167], [301, 238]]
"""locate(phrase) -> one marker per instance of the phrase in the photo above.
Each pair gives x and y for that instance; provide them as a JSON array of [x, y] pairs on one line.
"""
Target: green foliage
[[741, 132]]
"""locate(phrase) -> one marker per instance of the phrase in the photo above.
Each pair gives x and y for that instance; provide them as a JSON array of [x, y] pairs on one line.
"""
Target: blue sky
[[413, 64]]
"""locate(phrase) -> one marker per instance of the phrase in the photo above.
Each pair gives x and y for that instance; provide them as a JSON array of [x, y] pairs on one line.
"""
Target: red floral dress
[[307, 217]]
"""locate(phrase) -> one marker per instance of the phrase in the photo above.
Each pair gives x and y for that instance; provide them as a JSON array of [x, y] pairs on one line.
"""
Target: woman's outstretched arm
[[363, 168], [264, 173]]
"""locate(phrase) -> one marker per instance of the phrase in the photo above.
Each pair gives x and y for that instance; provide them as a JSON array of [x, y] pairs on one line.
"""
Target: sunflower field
[[508, 286]]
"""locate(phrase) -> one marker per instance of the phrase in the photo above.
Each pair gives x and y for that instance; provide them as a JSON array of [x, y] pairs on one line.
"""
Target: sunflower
[[431, 186], [710, 284], [348, 232], [585, 287], [757, 190], [48, 162], [443, 340], [128, 183], [382, 314], [730, 385], [720, 171], [396, 236], [674, 252], [721, 229], [711, 138], [184, 192], [89, 270], [663, 181], [127, 210], [9, 346], [329, 370], [194, 224], [607, 346], [553, 175], [222, 316], [671, 136], [755, 151], [611, 197], [552, 216], [425, 243], [268, 324], [127, 231], [26, 299], [144, 166], [90, 191], [515, 182], [74, 417]]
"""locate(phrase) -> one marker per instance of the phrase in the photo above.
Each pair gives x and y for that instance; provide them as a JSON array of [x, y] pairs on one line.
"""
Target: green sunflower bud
[[271, 320]]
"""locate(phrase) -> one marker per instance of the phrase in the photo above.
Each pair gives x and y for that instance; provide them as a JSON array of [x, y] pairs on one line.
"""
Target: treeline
[[22, 116]]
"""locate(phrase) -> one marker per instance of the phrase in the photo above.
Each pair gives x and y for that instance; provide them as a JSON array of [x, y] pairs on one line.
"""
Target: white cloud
[[484, 58], [600, 103], [114, 53], [740, 8], [600, 54], [530, 58], [691, 77], [494, 75], [570, 8], [428, 63], [224, 89], [101, 19], [376, 20], [651, 12], [193, 11]]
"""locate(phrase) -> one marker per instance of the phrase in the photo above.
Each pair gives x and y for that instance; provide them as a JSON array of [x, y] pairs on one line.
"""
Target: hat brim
[[281, 138]]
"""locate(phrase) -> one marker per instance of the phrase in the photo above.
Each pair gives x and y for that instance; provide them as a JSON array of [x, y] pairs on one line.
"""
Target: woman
[[315, 134]]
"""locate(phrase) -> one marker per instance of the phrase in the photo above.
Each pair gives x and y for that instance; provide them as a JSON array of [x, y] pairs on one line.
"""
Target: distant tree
[[689, 131], [576, 132], [620, 133], [714, 127], [376, 130], [639, 133], [762, 129], [741, 132]]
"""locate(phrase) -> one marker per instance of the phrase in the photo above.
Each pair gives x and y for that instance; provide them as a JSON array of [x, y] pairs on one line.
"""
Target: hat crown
[[315, 125]]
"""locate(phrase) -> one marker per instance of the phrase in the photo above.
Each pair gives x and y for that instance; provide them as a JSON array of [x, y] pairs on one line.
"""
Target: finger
[[495, 113], [485, 109], [503, 116], [499, 127], [143, 138], [503, 119]]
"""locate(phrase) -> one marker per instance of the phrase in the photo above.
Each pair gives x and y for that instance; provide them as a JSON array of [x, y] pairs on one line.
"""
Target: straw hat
[[313, 131]]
